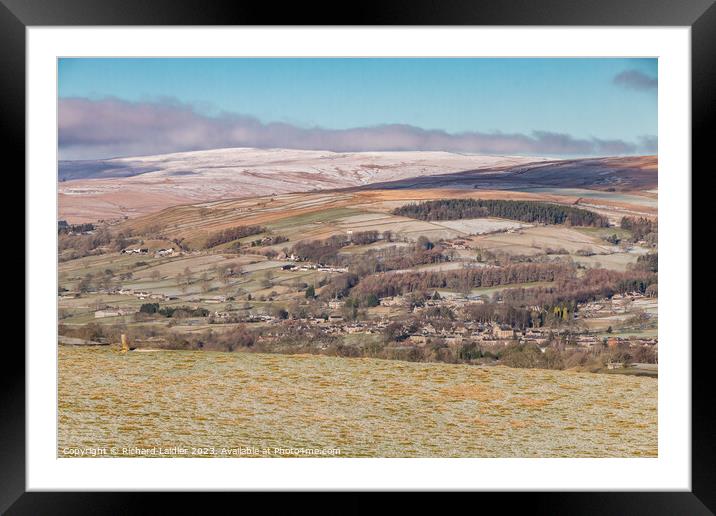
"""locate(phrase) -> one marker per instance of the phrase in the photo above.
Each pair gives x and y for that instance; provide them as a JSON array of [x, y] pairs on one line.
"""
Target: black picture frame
[[700, 15]]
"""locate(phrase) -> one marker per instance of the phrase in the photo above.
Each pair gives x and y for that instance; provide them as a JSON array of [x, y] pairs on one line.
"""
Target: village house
[[453, 340], [588, 340], [488, 338], [418, 340], [135, 251], [324, 268], [533, 336], [458, 244], [112, 312], [354, 328], [503, 332], [429, 329], [541, 343]]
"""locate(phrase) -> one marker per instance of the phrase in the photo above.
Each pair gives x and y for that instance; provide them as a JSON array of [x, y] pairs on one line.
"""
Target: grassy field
[[615, 261], [603, 233], [540, 239], [318, 213], [362, 407], [596, 195]]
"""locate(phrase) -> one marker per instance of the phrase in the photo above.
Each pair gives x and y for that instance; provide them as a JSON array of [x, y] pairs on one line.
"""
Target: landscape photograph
[[357, 257]]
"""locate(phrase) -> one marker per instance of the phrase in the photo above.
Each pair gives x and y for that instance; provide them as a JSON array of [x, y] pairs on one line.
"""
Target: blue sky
[[584, 99]]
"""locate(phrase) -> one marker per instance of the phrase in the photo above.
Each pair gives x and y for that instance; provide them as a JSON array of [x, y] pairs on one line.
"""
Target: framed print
[[420, 252]]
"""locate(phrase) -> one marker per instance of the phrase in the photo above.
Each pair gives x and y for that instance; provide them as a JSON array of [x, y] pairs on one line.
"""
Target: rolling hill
[[612, 174], [112, 188]]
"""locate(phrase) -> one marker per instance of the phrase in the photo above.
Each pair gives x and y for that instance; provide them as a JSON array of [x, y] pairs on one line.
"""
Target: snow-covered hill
[[91, 190]]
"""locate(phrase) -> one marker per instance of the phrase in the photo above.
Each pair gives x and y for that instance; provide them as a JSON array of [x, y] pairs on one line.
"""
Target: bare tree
[[205, 282]]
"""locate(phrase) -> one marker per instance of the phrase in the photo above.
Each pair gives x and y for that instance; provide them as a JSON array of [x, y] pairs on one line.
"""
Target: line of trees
[[101, 240], [462, 280], [513, 316], [326, 251], [648, 262], [269, 240], [526, 211], [231, 234], [568, 291], [394, 258], [173, 311], [63, 229], [641, 228], [320, 251]]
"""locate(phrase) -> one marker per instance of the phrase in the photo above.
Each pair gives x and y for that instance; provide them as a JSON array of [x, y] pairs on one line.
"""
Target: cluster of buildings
[[469, 331], [141, 294], [144, 250], [618, 304], [457, 244], [485, 334], [77, 229], [313, 267], [449, 300], [136, 250]]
